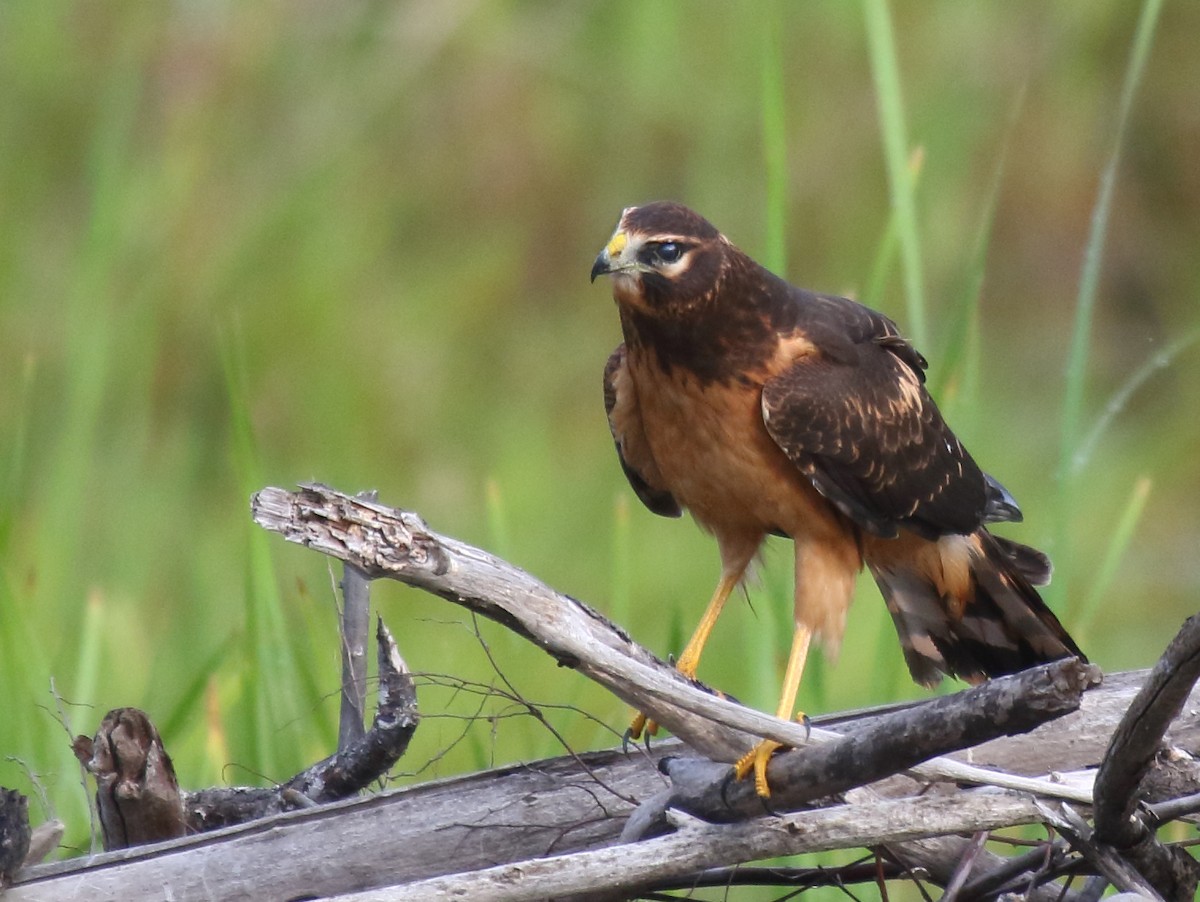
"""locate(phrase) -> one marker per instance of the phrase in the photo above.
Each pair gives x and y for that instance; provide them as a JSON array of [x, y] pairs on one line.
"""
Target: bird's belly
[[719, 462]]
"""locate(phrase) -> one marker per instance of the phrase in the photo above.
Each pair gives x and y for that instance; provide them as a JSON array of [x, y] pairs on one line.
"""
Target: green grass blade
[[774, 142], [15, 458], [189, 707], [881, 266], [87, 684], [956, 376], [497, 518], [885, 72], [1089, 278], [1118, 543], [273, 680], [622, 562], [1120, 398], [889, 244]]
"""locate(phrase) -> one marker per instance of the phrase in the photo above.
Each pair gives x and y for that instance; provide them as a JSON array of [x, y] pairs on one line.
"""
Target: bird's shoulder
[[839, 330]]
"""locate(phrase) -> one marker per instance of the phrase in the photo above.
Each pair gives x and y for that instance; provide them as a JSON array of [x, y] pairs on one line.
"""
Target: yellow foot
[[756, 760], [641, 724]]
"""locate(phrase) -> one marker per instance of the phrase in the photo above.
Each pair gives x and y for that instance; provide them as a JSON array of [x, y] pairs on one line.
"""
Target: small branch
[[399, 545], [337, 777], [517, 813], [355, 631], [1101, 856], [1130, 754], [1002, 876], [371, 757], [695, 844], [963, 870], [894, 742]]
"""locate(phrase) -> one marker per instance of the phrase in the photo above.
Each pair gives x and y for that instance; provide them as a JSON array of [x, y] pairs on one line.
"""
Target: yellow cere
[[617, 244]]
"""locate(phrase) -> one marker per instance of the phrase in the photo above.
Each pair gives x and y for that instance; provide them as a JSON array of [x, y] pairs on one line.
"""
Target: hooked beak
[[607, 261], [603, 265]]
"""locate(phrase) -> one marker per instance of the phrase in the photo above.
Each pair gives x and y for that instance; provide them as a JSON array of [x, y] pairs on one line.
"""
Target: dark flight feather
[[863, 428], [1004, 627]]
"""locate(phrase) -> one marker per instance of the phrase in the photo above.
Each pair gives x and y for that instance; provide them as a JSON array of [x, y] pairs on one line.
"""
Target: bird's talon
[[756, 760], [641, 726]]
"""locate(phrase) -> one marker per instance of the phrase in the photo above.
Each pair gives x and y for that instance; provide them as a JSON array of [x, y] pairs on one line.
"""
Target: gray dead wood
[[1134, 747], [507, 816], [140, 801], [695, 844], [893, 742], [350, 770], [434, 828], [509, 821], [355, 633], [137, 794], [14, 833], [395, 544]]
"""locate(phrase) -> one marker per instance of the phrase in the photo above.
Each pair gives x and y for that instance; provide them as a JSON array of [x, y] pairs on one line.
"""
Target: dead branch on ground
[[552, 829]]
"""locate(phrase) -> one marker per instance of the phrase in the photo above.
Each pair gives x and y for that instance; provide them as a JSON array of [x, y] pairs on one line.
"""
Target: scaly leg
[[690, 659], [757, 758]]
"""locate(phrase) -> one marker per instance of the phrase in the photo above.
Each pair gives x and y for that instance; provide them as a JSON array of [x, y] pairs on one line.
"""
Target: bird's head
[[664, 259]]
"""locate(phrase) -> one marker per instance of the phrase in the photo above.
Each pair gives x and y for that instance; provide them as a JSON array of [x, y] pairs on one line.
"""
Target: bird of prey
[[762, 408]]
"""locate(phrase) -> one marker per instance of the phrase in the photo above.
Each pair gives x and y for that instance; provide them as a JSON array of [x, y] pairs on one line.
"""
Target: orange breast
[[717, 459]]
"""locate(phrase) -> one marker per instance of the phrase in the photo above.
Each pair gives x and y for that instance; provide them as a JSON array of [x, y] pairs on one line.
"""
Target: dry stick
[[898, 740], [1112, 866], [1131, 752], [1038, 859], [626, 869], [339, 776], [964, 867], [355, 628], [1172, 809], [472, 822], [399, 545], [355, 633]]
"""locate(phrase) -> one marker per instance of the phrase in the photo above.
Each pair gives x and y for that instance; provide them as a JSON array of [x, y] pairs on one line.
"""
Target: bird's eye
[[669, 252]]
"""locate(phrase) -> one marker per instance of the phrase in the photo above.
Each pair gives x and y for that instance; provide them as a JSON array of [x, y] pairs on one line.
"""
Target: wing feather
[[863, 428], [625, 423]]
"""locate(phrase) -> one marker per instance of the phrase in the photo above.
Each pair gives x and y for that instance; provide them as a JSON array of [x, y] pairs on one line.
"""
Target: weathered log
[[550, 828]]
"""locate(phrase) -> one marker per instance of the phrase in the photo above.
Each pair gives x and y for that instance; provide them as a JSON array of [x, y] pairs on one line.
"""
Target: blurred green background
[[252, 244]]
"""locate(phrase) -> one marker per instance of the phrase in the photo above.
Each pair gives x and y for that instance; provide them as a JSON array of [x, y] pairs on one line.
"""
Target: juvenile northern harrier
[[763, 408]]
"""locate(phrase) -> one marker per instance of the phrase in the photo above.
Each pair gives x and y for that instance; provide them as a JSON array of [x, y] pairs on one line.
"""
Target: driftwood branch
[[140, 801], [510, 816], [14, 834], [355, 634], [395, 544], [137, 794], [694, 844], [554, 828], [341, 775], [1135, 744]]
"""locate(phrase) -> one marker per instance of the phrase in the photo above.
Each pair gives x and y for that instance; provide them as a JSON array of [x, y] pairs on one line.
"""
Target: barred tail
[[966, 606]]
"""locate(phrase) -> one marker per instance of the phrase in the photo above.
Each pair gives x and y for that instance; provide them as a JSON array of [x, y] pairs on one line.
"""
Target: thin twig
[[355, 634]]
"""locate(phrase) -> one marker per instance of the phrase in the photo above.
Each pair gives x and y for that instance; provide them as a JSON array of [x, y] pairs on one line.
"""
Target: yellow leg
[[690, 659], [757, 758]]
